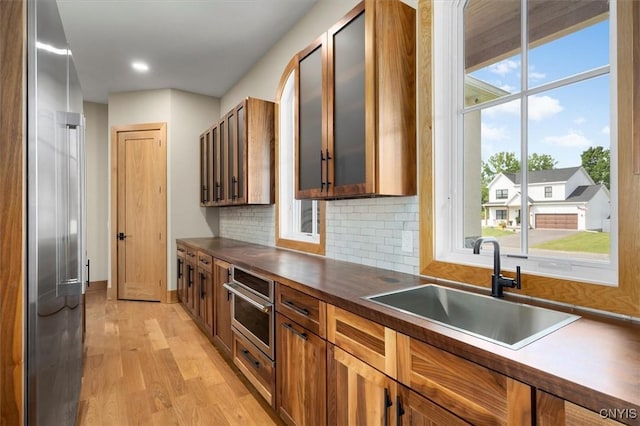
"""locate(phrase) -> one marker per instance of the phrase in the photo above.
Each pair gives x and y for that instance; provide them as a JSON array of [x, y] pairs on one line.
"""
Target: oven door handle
[[232, 289]]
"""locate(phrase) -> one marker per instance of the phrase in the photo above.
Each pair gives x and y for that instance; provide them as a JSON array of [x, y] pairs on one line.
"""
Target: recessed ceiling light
[[140, 66]]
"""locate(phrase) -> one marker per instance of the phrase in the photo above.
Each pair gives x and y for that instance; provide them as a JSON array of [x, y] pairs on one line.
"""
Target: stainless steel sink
[[509, 324]]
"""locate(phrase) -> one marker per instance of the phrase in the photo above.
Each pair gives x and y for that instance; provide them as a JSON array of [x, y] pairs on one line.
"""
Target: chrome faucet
[[497, 280]]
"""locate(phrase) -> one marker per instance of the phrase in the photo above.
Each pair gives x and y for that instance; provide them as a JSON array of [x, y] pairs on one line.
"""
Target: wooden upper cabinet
[[356, 106], [242, 155]]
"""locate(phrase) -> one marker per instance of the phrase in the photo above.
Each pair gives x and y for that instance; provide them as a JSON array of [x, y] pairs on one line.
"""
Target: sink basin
[[509, 324]]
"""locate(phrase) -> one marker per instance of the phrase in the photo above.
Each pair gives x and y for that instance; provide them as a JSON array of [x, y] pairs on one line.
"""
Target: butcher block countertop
[[593, 362]]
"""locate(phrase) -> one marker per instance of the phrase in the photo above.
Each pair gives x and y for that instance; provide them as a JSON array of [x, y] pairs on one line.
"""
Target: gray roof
[[584, 192], [542, 176]]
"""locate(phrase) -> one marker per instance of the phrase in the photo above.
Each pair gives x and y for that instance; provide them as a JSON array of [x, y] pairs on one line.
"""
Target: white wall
[[262, 80], [186, 115], [97, 153], [367, 231]]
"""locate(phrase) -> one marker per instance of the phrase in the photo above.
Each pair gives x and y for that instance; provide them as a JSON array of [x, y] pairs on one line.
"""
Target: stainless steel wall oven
[[252, 311]]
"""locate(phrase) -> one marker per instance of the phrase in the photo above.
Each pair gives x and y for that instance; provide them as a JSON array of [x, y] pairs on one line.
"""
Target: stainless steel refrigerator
[[56, 255]]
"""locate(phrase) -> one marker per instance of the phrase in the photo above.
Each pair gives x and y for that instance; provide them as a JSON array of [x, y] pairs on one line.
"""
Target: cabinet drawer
[[191, 254], [255, 366], [306, 310], [205, 262], [181, 250], [367, 340], [475, 393]]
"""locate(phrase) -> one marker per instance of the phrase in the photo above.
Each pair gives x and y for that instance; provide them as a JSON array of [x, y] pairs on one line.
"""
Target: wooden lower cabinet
[[358, 394], [256, 367], [554, 411], [205, 297], [191, 271], [474, 393], [301, 364], [222, 299], [371, 342], [180, 274], [413, 409]]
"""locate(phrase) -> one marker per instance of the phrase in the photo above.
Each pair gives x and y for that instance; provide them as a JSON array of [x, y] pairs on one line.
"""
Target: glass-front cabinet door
[[240, 161], [347, 138], [232, 153], [221, 164], [311, 162]]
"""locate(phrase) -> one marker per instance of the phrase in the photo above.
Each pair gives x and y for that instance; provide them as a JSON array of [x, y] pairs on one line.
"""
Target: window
[[501, 215], [532, 98], [299, 222]]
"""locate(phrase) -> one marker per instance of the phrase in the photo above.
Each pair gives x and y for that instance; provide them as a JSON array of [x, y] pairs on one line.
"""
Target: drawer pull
[[289, 304], [289, 327], [251, 359]]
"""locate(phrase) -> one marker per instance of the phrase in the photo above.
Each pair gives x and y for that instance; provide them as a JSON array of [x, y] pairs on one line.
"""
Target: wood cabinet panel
[[191, 281], [306, 310], [205, 295], [554, 411], [301, 361], [222, 301], [413, 409], [358, 394], [369, 341], [473, 392], [256, 367]]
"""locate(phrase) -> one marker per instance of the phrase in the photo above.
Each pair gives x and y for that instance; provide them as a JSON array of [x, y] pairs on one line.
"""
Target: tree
[[501, 162], [596, 162], [541, 162]]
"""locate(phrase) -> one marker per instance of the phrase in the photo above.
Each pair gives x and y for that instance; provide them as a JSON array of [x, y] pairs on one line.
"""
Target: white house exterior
[[558, 199]]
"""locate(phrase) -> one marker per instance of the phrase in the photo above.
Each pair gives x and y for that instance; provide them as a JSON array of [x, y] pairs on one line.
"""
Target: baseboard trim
[[96, 286], [172, 296]]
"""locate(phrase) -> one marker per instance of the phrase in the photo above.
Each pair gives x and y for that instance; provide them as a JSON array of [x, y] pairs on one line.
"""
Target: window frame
[[548, 192], [288, 208], [623, 299]]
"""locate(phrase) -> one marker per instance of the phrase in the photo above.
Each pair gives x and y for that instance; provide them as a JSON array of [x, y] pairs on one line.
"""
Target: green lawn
[[589, 242], [495, 232]]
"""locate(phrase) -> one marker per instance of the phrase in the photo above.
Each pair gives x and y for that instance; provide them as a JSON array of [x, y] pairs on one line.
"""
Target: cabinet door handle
[[203, 280], [289, 304], [399, 411], [289, 327], [180, 272], [234, 182], [328, 182], [205, 193], [251, 359], [387, 403], [189, 275], [216, 191], [321, 174]]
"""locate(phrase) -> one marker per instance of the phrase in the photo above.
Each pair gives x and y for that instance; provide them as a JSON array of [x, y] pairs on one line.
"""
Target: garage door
[[557, 221]]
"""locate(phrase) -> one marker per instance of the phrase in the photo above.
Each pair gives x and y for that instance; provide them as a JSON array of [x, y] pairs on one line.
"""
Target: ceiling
[[201, 46]]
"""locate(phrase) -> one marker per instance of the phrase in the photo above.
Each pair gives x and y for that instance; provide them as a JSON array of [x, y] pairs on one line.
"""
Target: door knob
[[121, 236]]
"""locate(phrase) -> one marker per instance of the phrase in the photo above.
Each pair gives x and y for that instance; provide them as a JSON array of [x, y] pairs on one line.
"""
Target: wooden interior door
[[141, 215]]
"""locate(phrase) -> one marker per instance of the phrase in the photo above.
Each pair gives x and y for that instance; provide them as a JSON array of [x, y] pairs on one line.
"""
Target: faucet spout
[[496, 251], [498, 282]]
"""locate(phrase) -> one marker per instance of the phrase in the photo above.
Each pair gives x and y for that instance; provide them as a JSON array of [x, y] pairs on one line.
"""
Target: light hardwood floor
[[148, 364]]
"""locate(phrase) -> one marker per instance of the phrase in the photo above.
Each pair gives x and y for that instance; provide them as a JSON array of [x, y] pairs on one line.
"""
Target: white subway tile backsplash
[[366, 231]]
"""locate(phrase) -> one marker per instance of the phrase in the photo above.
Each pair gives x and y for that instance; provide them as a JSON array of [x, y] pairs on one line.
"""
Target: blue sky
[[563, 122]]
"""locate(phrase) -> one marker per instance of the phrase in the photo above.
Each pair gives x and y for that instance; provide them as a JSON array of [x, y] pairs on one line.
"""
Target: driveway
[[536, 236]]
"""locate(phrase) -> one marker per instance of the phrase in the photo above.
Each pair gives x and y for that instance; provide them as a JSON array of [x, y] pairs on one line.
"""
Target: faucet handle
[[518, 283]]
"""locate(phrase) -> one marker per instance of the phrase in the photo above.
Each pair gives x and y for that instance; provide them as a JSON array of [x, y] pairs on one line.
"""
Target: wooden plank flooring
[[149, 364]]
